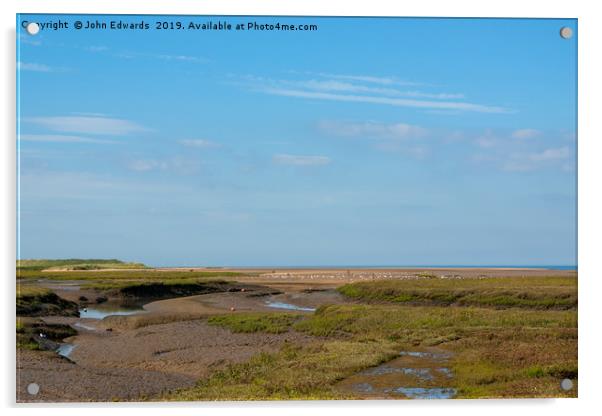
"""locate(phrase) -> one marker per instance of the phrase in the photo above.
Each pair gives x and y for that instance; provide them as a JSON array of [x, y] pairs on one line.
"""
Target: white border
[[590, 33]]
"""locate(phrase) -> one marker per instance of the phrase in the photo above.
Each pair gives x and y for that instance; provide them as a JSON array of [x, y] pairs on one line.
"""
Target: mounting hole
[[33, 388], [566, 32], [566, 384], [32, 28]]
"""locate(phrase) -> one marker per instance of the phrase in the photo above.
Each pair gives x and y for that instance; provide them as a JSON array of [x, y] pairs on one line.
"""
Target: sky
[[369, 141]]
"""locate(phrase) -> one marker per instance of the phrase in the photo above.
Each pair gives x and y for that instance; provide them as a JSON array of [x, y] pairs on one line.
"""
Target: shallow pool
[[289, 306], [425, 393], [102, 311], [65, 350]]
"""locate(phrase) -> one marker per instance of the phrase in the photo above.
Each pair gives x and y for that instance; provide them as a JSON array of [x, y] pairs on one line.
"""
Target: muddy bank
[[140, 363], [236, 302], [191, 348], [63, 381]]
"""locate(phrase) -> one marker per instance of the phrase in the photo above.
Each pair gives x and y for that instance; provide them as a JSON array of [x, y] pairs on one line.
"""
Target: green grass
[[495, 353], [507, 292], [396, 322], [274, 323], [294, 372], [125, 275]]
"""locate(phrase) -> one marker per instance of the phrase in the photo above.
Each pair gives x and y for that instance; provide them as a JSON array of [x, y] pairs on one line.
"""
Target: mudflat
[[161, 345]]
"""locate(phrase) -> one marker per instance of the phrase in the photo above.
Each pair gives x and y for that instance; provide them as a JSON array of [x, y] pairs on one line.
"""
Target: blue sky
[[367, 142]]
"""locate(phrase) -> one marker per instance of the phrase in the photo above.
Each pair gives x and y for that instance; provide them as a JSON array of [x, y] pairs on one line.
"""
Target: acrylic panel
[[295, 208]]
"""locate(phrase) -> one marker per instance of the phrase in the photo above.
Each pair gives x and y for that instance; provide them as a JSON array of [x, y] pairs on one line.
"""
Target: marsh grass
[[160, 283], [37, 301], [506, 292], [294, 372], [495, 353], [124, 275], [274, 323]]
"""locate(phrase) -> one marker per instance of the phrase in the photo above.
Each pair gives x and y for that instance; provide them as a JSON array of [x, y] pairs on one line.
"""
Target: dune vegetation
[[75, 264]]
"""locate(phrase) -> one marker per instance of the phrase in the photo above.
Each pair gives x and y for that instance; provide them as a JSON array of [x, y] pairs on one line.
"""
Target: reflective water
[[102, 311], [65, 350], [425, 393], [288, 306], [413, 375]]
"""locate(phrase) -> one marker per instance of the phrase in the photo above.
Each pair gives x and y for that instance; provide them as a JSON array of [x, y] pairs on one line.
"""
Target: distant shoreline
[[355, 267]]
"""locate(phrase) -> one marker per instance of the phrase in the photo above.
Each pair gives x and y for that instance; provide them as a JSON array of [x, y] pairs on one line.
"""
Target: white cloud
[[88, 125], [58, 138], [373, 129], [487, 140], [397, 102], [296, 160], [199, 143], [339, 86], [550, 154], [26, 66], [182, 58], [178, 165], [552, 157], [400, 138], [366, 89], [525, 133], [371, 79]]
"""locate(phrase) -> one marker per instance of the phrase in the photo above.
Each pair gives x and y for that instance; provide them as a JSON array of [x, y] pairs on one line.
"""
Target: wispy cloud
[[347, 87], [178, 165], [373, 129], [366, 89], [513, 152], [371, 79], [525, 133], [400, 138], [199, 143], [182, 58], [88, 125], [28, 66], [297, 160], [487, 140], [58, 138], [397, 102], [560, 153], [163, 57]]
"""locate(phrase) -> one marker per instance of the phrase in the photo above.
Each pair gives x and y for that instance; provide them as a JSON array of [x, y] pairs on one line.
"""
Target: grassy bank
[[123, 275], [507, 292], [292, 373], [37, 301]]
